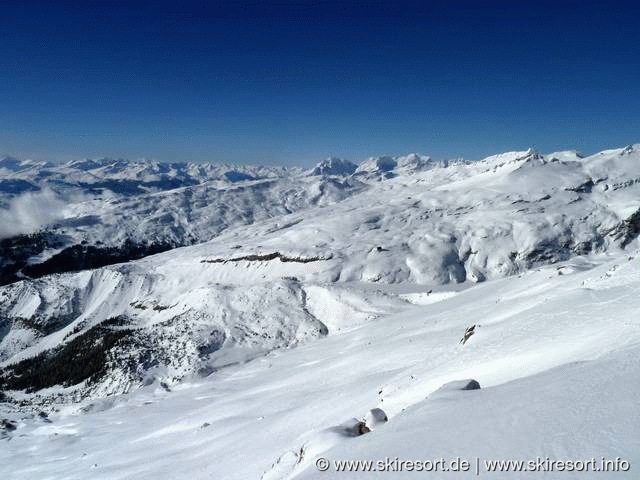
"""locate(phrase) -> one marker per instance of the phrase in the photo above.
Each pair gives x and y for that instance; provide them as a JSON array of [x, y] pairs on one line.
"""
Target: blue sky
[[292, 82]]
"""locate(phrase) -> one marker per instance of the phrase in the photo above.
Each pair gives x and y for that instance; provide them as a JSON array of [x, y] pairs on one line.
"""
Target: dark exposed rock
[[629, 230], [267, 257], [468, 333], [549, 251], [362, 428], [352, 428], [582, 188], [7, 425], [216, 340], [452, 389], [471, 385]]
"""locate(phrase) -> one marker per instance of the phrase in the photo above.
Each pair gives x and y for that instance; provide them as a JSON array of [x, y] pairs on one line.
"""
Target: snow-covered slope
[[556, 352], [411, 273]]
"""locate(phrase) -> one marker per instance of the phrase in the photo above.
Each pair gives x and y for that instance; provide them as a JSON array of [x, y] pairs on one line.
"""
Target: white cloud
[[29, 212]]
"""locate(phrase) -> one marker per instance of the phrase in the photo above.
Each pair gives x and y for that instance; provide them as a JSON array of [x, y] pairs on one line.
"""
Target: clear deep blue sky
[[292, 82]]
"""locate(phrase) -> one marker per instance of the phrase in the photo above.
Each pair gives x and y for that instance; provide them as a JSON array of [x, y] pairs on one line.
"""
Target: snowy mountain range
[[150, 310]]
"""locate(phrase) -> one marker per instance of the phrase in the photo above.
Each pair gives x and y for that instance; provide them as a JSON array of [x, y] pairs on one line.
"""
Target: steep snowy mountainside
[[181, 315]]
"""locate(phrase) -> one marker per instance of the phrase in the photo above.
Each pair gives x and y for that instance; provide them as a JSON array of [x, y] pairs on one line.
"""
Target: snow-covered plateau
[[403, 317]]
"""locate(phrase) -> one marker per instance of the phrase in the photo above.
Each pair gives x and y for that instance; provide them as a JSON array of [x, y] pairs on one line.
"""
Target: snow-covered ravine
[[556, 351]]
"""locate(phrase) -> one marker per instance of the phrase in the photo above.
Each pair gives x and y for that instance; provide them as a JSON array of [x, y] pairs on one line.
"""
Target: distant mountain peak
[[532, 154], [387, 166], [334, 166]]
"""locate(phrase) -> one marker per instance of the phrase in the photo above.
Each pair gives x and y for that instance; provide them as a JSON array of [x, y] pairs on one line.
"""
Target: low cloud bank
[[29, 212]]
